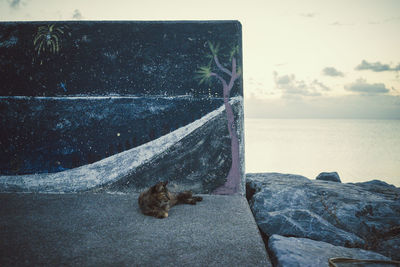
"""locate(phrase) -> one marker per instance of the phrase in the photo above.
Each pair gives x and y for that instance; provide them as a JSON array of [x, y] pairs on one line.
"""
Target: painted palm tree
[[48, 38], [205, 74]]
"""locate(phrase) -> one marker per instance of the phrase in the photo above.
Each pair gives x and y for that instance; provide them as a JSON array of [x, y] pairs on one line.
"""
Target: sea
[[358, 150]]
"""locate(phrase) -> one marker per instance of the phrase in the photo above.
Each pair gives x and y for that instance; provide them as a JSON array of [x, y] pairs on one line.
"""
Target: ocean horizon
[[359, 150]]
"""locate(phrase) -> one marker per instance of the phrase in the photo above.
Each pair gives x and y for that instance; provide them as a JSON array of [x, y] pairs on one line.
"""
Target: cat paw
[[192, 201], [162, 215], [198, 198]]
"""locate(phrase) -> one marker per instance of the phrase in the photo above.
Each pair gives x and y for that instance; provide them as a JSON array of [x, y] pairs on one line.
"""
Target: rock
[[329, 176], [290, 251], [297, 222], [365, 216], [375, 183]]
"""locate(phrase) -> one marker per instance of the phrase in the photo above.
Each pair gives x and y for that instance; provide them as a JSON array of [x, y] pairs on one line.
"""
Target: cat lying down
[[157, 200]]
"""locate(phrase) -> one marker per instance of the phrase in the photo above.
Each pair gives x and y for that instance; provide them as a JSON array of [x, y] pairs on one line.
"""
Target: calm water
[[359, 150]]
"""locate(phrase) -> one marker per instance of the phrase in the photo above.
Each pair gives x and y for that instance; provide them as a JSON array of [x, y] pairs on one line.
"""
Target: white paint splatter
[[10, 42]]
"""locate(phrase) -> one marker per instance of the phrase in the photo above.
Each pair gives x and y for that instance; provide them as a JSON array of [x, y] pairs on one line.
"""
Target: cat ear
[[156, 188], [153, 189], [165, 183], [159, 186]]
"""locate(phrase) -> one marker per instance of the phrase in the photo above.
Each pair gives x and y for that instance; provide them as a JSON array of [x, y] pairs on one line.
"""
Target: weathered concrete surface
[[292, 252], [108, 229]]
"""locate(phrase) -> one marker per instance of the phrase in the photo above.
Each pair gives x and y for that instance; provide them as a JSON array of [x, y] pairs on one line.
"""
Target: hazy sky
[[317, 58]]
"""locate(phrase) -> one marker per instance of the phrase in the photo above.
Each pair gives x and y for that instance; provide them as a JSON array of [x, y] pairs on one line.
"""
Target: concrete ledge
[[108, 229]]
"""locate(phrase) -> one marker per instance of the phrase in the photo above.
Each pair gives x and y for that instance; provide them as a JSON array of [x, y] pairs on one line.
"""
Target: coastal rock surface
[[362, 215], [290, 251]]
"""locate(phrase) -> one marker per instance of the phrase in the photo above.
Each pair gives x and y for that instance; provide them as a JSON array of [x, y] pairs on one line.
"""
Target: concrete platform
[[108, 229]]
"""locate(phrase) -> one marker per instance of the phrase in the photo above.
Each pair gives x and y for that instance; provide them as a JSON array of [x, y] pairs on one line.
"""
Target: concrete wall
[[75, 93]]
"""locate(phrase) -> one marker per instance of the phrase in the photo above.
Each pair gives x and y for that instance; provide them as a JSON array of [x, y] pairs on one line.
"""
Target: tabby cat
[[157, 200]]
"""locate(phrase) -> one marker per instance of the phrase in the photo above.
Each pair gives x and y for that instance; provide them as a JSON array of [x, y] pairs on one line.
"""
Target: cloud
[[15, 3], [321, 86], [77, 14], [280, 64], [376, 66], [337, 23], [292, 88], [361, 86], [308, 15], [331, 71], [395, 19], [387, 20]]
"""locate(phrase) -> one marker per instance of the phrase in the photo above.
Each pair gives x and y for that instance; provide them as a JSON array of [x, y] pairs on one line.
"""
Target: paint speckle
[[10, 42]]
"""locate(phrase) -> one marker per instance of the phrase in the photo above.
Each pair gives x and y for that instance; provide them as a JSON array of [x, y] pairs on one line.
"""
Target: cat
[[157, 200]]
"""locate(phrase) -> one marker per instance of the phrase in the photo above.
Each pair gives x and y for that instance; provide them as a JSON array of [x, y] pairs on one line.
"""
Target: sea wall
[[77, 97]]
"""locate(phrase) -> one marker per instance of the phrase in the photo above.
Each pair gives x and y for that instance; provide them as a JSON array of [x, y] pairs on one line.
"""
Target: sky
[[301, 59]]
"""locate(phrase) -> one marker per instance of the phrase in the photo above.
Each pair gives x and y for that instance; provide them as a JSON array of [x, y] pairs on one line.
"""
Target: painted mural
[[118, 106]]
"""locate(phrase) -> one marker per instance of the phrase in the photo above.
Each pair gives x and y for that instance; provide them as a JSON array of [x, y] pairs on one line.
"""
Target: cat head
[[160, 187], [160, 192]]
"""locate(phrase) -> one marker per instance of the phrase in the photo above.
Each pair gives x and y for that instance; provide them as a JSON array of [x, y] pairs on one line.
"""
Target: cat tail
[[187, 197], [182, 197]]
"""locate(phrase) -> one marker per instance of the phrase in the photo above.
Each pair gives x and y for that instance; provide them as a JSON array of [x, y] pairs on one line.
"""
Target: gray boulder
[[292, 252], [329, 176], [365, 215]]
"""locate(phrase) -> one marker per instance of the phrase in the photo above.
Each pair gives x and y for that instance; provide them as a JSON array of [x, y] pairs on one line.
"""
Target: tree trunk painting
[[233, 180]]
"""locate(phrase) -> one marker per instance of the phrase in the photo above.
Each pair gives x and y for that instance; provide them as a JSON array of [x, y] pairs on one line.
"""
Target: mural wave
[[106, 171]]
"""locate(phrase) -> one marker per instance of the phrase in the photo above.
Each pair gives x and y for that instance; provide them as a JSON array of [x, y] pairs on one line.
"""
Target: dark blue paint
[[98, 58], [49, 135]]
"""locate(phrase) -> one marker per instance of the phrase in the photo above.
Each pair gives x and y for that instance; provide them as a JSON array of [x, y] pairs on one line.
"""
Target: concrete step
[[108, 229]]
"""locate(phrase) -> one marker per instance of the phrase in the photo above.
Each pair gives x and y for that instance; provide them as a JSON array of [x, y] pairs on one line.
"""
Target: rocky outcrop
[[363, 215], [329, 176], [290, 251]]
